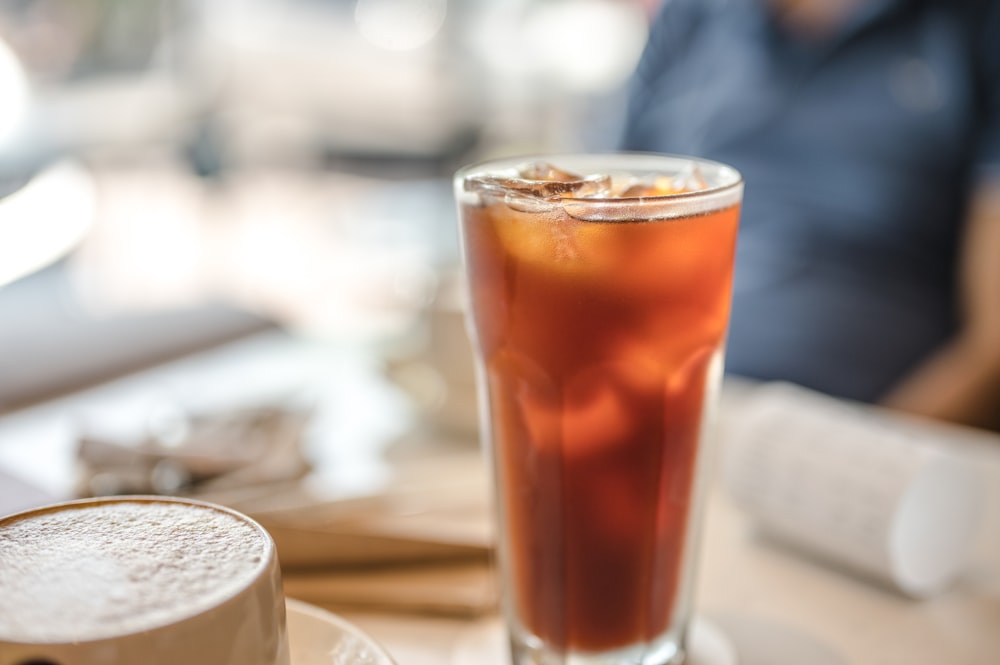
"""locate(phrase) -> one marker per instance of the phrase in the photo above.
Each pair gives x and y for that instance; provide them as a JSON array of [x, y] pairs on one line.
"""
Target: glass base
[[705, 644], [667, 653], [487, 643]]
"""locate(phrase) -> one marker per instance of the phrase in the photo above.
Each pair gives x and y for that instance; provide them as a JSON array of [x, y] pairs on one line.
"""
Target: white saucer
[[762, 642], [318, 637]]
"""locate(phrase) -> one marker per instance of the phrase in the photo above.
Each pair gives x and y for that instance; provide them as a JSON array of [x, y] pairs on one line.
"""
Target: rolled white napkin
[[858, 486]]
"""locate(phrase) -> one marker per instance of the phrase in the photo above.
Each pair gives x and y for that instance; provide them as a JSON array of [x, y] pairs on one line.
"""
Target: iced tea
[[600, 292]]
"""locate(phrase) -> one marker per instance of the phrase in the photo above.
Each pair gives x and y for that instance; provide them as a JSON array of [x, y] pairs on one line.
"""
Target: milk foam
[[97, 571]]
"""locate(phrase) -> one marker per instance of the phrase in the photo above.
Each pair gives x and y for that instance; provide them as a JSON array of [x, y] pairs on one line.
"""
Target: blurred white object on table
[[854, 485]]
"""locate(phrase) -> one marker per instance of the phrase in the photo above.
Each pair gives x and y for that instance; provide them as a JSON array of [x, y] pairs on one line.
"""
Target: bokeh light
[[13, 93]]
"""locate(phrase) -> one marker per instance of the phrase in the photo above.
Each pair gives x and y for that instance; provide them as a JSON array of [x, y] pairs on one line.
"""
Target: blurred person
[[868, 133]]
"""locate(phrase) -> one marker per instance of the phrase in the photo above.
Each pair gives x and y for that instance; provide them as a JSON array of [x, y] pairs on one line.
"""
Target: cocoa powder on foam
[[96, 571]]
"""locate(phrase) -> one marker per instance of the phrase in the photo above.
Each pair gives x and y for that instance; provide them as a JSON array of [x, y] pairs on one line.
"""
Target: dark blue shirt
[[859, 152]]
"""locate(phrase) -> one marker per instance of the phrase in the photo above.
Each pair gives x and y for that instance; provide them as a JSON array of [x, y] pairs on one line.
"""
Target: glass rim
[[462, 174]]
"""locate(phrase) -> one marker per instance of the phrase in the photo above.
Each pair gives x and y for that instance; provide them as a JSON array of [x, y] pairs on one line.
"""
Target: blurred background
[[179, 173]]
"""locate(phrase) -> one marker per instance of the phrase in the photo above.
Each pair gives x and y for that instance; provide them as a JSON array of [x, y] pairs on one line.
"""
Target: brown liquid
[[596, 338]]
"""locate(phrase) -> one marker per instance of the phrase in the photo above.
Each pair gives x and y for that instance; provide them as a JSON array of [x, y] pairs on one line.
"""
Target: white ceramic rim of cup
[[267, 559]]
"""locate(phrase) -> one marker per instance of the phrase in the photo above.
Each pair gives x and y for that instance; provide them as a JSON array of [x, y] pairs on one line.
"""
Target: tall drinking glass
[[600, 293]]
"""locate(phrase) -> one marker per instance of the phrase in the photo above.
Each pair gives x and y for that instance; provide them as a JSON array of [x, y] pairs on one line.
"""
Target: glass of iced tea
[[600, 292]]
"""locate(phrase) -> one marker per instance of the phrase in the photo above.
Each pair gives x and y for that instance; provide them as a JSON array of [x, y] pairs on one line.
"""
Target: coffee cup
[[149, 580]]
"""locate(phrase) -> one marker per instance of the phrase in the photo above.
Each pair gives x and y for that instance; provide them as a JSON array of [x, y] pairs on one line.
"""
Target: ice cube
[[605, 403], [590, 186], [526, 399], [541, 181], [556, 182], [687, 180], [535, 231], [593, 186], [529, 203], [547, 172], [656, 186], [690, 179]]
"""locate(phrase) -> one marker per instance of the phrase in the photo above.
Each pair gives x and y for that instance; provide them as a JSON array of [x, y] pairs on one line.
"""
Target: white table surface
[[743, 578]]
